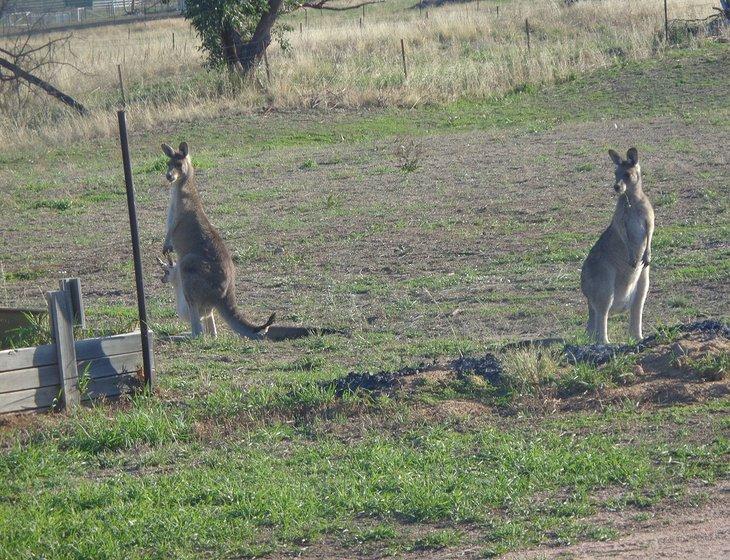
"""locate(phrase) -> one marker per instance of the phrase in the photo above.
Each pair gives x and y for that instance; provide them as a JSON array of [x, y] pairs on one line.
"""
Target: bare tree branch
[[50, 43], [48, 88], [323, 5]]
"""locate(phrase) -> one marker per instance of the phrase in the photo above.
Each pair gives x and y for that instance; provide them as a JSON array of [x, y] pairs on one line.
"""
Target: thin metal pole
[[121, 86], [403, 54], [139, 281]]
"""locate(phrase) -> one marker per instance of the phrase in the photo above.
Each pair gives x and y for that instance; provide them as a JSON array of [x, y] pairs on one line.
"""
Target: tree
[[235, 33]]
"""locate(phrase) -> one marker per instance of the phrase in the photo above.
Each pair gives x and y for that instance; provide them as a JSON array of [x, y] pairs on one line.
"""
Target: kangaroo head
[[628, 171], [168, 269], [179, 165]]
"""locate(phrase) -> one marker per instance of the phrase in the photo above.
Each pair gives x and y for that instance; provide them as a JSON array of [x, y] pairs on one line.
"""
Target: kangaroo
[[615, 274], [171, 275], [206, 273]]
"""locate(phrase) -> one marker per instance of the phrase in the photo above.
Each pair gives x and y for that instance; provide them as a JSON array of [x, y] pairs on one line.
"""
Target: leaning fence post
[[527, 32], [72, 286], [59, 305], [403, 55]]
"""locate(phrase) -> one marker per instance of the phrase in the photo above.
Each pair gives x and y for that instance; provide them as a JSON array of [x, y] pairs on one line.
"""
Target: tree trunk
[[250, 53], [48, 88], [229, 39]]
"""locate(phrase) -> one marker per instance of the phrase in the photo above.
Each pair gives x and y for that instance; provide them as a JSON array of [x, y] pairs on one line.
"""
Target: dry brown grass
[[456, 53]]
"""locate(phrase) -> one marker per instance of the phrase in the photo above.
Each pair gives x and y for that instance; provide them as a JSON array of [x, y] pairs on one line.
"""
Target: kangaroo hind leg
[[209, 324], [591, 325], [637, 305]]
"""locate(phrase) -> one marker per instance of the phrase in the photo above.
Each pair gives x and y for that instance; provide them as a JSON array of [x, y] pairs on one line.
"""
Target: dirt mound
[[598, 354], [374, 381], [488, 366], [688, 363], [690, 369]]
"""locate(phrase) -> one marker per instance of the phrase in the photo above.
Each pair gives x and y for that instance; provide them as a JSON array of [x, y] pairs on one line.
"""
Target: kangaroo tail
[[279, 332], [240, 324]]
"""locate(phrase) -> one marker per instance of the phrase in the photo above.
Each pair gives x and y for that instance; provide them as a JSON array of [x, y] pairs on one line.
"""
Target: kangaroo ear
[[615, 157], [184, 150], [633, 155], [169, 152]]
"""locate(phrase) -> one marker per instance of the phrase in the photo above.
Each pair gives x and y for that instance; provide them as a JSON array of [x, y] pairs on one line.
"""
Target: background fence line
[[39, 16]]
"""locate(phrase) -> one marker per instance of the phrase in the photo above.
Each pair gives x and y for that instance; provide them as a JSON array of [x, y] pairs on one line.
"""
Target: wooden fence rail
[[68, 371]]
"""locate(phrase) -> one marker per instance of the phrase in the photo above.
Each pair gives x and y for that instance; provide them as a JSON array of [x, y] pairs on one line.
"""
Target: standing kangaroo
[[615, 275], [205, 267]]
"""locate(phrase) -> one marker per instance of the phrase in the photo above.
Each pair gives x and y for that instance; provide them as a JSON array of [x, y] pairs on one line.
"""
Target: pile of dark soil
[[655, 350], [487, 366], [374, 381]]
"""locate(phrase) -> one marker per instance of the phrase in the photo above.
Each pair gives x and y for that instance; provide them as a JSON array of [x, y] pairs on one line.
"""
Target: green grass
[[137, 483], [535, 108], [711, 367], [60, 204]]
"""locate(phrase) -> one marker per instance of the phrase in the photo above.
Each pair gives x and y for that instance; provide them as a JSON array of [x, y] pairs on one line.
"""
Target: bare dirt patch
[[681, 532], [701, 533]]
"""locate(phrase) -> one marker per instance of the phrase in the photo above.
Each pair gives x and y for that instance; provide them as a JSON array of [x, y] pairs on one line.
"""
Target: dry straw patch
[[458, 52]]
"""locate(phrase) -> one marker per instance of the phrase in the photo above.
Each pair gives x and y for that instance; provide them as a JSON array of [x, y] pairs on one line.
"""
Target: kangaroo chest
[[172, 209], [636, 228]]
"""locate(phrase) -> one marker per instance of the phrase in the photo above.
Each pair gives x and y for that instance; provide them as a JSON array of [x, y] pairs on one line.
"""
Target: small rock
[[638, 370]]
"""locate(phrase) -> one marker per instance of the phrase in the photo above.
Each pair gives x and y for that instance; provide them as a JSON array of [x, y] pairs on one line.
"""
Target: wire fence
[[23, 16]]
